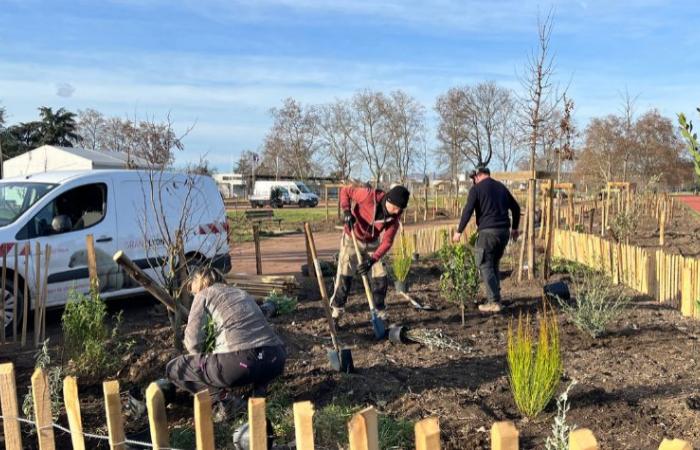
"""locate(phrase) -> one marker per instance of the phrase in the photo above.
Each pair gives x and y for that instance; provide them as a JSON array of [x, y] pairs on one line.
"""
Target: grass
[[534, 370], [292, 219]]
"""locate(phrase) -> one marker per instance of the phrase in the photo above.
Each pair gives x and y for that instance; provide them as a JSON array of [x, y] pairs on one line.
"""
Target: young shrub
[[559, 440], [597, 302], [459, 282], [401, 259], [283, 303], [623, 225], [42, 359], [534, 370], [211, 333], [87, 337]]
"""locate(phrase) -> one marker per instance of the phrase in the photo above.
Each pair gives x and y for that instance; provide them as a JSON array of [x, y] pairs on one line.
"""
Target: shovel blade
[[341, 362], [378, 326]]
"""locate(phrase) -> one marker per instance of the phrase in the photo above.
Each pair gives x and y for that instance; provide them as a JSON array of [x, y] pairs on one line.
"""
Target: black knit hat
[[398, 195]]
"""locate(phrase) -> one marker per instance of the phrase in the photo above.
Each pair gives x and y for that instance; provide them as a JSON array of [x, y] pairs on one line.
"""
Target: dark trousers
[[488, 251], [219, 371]]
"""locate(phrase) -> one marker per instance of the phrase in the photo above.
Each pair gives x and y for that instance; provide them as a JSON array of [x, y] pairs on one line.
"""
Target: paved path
[[286, 254], [691, 200]]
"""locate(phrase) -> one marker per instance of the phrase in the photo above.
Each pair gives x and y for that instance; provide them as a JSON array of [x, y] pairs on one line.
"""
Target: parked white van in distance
[[299, 193], [115, 206]]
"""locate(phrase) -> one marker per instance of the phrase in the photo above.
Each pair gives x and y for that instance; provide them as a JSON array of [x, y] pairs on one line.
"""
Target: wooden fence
[[666, 277], [363, 428]]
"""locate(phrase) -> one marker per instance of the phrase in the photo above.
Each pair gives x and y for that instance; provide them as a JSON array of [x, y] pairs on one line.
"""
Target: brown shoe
[[490, 307]]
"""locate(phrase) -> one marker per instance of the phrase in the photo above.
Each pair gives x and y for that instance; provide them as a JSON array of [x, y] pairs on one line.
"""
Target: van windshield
[[302, 187], [16, 198]]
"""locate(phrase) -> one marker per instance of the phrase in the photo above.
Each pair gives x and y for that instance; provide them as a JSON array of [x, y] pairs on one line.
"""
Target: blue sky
[[225, 63]]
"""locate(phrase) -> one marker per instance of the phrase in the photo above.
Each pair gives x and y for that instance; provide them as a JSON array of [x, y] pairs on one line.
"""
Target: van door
[[63, 223]]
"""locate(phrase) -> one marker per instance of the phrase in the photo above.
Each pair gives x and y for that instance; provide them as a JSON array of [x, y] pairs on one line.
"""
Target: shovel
[[377, 323], [340, 359]]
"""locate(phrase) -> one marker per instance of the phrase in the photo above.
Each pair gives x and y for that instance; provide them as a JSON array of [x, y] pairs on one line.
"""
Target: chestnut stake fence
[[363, 428]]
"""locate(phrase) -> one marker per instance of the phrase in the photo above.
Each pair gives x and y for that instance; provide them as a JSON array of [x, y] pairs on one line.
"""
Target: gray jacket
[[238, 320]]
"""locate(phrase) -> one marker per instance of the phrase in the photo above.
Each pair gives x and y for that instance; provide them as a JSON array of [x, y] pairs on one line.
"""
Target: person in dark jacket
[[371, 213], [491, 201], [246, 350]]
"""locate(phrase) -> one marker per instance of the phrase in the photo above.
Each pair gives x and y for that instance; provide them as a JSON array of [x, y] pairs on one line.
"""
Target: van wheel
[[8, 295]]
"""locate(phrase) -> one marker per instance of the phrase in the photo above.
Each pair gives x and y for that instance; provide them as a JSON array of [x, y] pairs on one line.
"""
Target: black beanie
[[398, 195]]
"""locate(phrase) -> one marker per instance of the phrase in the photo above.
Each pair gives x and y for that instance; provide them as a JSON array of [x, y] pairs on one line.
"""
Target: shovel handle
[[321, 286], [365, 280]]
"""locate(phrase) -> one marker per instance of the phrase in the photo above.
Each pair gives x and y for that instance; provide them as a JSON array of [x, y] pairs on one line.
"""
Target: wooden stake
[[427, 433], [4, 290], [113, 410], [10, 410], [303, 425], [15, 282], [203, 423], [42, 410], [504, 436], [27, 300], [70, 399], [582, 439], [363, 430], [37, 296], [157, 420], [258, 257], [257, 424], [92, 262]]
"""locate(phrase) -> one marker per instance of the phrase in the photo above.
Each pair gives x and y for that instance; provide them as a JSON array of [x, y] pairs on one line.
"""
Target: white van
[[299, 193], [123, 210]]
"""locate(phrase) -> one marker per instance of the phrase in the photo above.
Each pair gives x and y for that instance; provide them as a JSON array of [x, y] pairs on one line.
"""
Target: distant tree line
[[153, 141]]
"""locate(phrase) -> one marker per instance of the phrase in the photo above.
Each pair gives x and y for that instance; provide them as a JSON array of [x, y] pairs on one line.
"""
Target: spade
[[340, 359], [377, 323]]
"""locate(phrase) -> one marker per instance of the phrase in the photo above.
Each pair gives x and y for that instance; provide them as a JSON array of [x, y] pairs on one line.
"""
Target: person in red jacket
[[374, 216]]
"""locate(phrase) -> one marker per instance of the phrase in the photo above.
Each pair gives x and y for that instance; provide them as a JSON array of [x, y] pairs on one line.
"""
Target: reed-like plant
[[402, 257], [534, 368]]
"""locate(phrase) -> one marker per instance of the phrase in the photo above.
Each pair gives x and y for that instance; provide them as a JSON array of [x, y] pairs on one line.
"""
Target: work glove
[[366, 266], [348, 218]]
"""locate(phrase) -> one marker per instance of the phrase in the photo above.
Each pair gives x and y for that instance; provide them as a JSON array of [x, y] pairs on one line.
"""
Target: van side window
[[74, 210]]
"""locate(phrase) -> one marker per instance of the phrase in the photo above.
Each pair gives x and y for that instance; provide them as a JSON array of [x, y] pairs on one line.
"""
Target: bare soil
[[636, 385]]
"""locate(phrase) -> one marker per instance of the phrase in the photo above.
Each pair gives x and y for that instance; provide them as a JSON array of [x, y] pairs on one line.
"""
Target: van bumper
[[222, 262]]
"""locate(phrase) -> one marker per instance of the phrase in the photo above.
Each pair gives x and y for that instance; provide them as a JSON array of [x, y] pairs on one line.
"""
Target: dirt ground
[[636, 385]]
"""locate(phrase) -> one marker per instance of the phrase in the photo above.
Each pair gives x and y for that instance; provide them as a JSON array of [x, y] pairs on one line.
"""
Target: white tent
[[51, 158]]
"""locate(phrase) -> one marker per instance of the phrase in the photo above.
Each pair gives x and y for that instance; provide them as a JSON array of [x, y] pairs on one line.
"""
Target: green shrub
[[597, 301], [93, 350], [211, 333], [560, 265], [402, 257], [283, 303], [534, 370], [459, 282], [623, 225]]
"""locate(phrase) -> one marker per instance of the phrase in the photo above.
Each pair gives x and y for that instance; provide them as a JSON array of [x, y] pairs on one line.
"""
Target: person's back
[[493, 202], [240, 323]]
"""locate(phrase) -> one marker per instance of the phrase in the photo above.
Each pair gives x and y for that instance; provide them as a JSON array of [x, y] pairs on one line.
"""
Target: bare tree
[[629, 144], [451, 132], [509, 138], [540, 101], [177, 234], [335, 125], [292, 140], [369, 131], [405, 122], [91, 127]]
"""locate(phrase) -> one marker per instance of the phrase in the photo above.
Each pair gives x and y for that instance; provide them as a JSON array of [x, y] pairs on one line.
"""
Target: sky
[[222, 64]]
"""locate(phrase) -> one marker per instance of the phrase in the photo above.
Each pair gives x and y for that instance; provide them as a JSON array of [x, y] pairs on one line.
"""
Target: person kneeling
[[247, 351]]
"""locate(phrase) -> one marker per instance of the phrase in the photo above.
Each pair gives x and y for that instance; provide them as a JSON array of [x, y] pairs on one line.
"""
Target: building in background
[[49, 158], [231, 185]]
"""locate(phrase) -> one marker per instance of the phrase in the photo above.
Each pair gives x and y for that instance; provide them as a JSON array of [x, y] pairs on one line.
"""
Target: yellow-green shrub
[[402, 257], [534, 368]]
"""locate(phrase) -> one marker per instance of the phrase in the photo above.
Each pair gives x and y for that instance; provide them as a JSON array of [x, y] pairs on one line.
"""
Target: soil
[[636, 385]]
